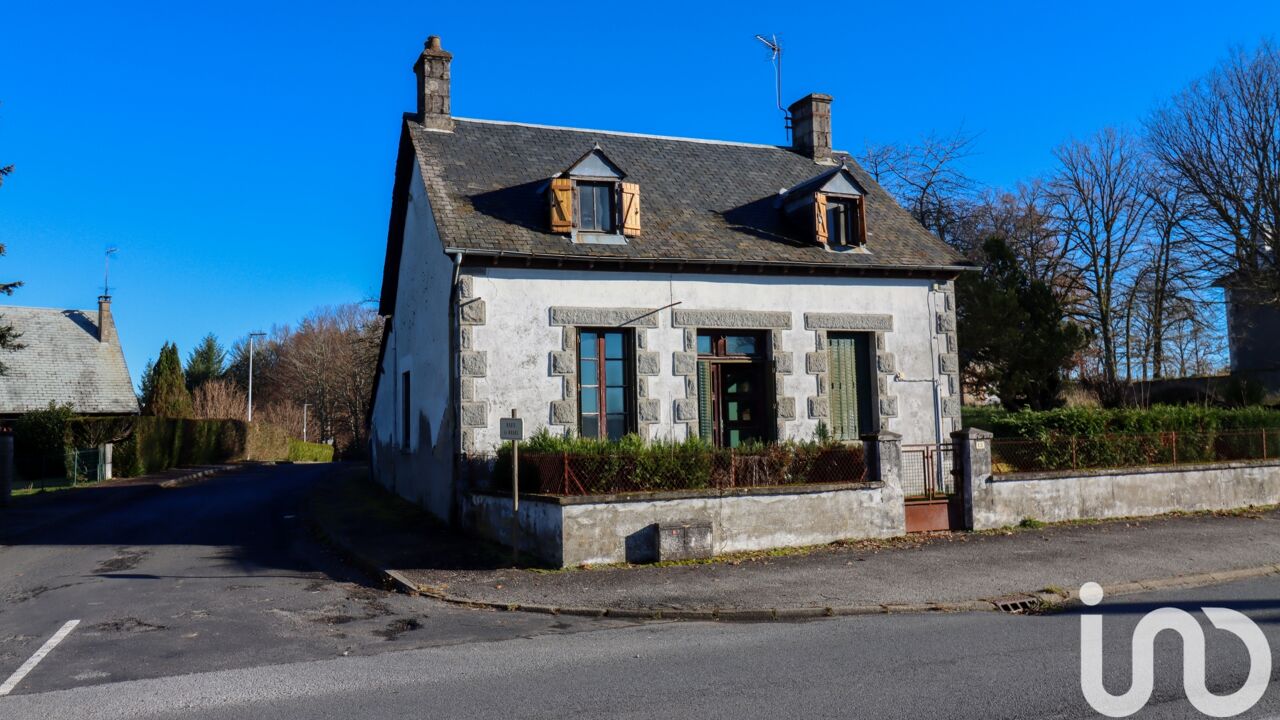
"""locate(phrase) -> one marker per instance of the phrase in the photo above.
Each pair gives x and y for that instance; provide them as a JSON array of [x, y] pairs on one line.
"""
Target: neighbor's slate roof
[[62, 361], [699, 200]]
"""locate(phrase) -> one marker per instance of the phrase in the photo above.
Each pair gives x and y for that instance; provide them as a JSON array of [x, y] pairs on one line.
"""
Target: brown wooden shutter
[[862, 221], [561, 205], [630, 209], [820, 217]]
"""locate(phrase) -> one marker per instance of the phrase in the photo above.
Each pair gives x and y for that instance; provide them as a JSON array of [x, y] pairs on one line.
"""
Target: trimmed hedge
[[157, 443], [1090, 422], [300, 451], [632, 465]]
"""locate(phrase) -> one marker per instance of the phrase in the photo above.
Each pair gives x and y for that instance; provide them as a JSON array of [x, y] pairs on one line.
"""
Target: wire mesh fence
[[605, 473], [927, 471], [1101, 452], [53, 470]]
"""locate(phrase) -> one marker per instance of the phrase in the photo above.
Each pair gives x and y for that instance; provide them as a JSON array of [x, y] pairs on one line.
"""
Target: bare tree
[[219, 399], [927, 179], [1100, 208], [1220, 138]]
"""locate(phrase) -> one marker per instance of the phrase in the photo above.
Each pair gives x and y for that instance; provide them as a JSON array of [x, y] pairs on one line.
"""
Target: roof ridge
[[623, 133]]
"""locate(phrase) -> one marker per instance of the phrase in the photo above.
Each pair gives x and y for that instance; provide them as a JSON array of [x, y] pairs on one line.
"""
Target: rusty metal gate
[[932, 494]]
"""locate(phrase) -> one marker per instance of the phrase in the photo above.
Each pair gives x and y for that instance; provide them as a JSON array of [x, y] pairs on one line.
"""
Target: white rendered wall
[[419, 343], [517, 337]]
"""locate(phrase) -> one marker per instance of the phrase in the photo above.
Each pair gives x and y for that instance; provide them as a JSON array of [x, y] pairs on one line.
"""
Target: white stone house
[[603, 283]]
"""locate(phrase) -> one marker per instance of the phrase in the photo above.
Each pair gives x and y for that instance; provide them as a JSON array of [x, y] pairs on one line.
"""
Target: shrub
[[300, 451], [1090, 422], [632, 465], [39, 439]]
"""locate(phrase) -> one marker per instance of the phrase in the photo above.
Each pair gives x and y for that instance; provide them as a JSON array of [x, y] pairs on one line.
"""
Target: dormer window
[[830, 209], [591, 202], [596, 207], [845, 227]]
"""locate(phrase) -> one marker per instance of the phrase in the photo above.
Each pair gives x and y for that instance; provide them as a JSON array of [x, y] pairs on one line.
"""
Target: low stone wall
[[570, 531], [1003, 500]]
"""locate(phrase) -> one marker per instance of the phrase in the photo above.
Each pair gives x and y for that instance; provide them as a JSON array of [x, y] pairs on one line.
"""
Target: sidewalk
[[947, 571], [30, 512]]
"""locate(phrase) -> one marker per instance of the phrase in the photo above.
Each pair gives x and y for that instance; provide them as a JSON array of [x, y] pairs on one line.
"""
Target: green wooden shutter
[[843, 377], [705, 424]]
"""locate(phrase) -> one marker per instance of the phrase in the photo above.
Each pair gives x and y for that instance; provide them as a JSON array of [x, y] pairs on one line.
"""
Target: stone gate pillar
[[883, 452], [971, 453]]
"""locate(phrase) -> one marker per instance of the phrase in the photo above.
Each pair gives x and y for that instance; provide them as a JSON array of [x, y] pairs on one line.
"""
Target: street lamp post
[[252, 337], [304, 421]]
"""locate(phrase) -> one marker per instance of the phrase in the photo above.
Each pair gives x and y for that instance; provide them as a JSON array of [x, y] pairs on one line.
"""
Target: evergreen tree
[[147, 383], [8, 335], [207, 362], [169, 396], [1015, 339]]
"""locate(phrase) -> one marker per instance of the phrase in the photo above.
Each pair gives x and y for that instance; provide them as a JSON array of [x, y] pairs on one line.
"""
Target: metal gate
[[929, 483]]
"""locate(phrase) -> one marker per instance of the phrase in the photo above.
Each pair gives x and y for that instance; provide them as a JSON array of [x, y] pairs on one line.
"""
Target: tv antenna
[[775, 56], [106, 270]]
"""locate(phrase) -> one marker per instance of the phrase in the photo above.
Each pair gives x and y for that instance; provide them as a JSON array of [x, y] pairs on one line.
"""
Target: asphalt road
[[210, 602]]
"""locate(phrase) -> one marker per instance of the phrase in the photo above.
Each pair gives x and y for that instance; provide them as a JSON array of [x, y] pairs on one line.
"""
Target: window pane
[[587, 345], [740, 344], [614, 401], [590, 426], [704, 344], [613, 373], [588, 373], [613, 346], [617, 426], [586, 208], [731, 409], [590, 401], [602, 208]]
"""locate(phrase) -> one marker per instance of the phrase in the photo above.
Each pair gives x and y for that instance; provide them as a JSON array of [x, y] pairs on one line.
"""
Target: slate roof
[[63, 361], [701, 201]]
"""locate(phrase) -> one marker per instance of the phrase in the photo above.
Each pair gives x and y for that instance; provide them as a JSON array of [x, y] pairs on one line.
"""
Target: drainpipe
[[933, 362], [455, 350]]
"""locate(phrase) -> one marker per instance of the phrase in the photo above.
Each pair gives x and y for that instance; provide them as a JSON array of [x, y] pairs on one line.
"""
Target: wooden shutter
[[844, 387], [706, 420], [861, 236], [561, 194], [630, 209], [820, 217]]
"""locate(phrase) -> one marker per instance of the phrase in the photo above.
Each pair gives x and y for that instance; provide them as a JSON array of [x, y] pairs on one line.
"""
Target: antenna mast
[[775, 56], [106, 271]]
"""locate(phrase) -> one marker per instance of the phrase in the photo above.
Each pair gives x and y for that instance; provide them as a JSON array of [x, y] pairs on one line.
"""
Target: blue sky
[[240, 155]]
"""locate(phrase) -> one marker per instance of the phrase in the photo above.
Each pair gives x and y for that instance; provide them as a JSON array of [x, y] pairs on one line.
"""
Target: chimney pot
[[106, 325], [432, 69], [811, 126]]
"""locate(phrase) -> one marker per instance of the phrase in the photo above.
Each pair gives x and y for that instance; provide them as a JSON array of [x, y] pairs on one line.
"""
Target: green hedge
[[157, 444], [300, 451], [632, 465], [1090, 422]]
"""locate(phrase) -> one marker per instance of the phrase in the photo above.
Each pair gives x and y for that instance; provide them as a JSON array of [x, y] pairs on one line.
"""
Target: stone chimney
[[432, 70], [811, 126], [106, 326]]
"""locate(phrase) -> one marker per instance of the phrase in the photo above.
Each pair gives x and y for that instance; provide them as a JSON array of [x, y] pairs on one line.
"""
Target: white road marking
[[34, 660]]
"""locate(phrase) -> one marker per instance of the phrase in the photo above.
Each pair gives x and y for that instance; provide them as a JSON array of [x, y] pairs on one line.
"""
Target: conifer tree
[[207, 362], [169, 396]]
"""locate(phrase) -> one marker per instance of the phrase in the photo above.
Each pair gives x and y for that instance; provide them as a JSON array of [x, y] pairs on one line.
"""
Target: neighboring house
[[604, 283], [68, 356]]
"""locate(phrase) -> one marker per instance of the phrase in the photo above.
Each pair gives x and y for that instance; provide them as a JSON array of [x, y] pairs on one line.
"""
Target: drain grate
[[1017, 604]]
